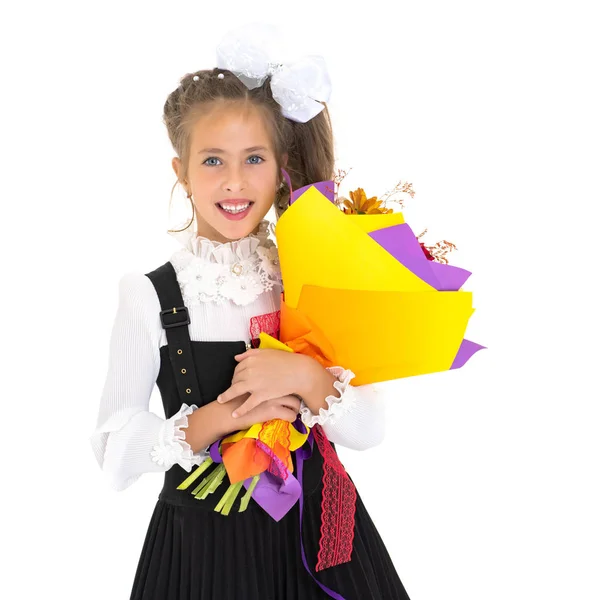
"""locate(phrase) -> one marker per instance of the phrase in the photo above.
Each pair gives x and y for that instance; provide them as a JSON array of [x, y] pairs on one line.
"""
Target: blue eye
[[261, 159]]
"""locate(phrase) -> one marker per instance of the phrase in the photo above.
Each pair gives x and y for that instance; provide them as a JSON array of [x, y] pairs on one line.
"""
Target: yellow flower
[[360, 205]]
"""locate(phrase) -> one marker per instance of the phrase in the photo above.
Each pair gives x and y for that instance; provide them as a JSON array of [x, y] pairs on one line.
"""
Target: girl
[[232, 143]]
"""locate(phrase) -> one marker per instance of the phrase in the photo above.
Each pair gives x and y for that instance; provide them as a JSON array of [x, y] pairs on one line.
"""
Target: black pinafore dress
[[192, 552]]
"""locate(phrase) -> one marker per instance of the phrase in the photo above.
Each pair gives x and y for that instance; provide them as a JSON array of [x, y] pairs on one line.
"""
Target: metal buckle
[[174, 317]]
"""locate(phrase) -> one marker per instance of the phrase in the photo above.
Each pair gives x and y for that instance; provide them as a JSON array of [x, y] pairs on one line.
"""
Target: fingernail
[[234, 415], [218, 398]]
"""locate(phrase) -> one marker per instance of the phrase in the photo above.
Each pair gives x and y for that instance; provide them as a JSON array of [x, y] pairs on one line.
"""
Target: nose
[[234, 179]]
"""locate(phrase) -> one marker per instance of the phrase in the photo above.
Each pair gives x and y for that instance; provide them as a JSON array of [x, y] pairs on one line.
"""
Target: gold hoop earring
[[189, 197]]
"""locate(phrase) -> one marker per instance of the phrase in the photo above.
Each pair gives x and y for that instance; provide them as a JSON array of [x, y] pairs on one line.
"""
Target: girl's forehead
[[231, 126]]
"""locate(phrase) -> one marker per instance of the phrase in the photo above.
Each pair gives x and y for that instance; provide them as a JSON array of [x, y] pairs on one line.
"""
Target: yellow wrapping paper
[[350, 302], [319, 245]]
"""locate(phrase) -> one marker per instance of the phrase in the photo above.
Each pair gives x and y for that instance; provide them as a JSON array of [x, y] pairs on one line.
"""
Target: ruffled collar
[[237, 271], [226, 253]]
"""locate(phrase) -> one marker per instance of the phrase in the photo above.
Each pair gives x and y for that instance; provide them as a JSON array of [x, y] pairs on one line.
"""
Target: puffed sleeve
[[129, 439], [356, 419]]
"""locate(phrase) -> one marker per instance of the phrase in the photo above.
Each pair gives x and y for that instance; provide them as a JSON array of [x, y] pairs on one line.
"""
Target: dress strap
[[175, 320]]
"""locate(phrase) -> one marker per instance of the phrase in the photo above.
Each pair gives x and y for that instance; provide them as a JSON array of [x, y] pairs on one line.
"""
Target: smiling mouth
[[235, 209]]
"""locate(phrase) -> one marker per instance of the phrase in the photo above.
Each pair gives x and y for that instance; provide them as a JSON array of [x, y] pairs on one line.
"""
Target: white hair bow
[[297, 85]]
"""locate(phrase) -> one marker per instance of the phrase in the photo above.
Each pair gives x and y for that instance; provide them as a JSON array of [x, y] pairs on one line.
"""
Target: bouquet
[[259, 458], [361, 291]]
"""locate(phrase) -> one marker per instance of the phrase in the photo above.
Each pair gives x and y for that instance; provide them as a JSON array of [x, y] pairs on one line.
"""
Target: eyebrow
[[221, 151]]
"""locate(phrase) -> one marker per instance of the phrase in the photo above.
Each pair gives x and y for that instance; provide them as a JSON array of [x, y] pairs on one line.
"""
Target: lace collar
[[237, 271]]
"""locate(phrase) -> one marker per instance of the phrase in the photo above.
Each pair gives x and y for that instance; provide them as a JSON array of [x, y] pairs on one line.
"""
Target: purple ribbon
[[214, 451], [302, 454]]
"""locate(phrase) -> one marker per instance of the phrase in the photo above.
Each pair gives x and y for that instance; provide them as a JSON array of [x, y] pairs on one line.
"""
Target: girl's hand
[[285, 407], [267, 374]]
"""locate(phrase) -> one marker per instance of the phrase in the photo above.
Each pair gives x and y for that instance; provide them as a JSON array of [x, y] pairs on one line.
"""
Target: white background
[[486, 487]]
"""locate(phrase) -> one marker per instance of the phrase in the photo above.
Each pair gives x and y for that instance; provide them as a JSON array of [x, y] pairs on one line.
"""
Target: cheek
[[266, 180], [205, 178]]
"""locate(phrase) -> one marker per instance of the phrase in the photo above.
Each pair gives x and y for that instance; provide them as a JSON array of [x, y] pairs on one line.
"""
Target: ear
[[176, 164], [284, 160]]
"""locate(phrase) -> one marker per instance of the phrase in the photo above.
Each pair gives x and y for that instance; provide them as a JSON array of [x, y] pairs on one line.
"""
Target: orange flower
[[360, 205]]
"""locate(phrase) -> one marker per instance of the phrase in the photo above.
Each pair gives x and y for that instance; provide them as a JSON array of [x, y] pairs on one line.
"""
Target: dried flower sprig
[[339, 177], [438, 251], [360, 204]]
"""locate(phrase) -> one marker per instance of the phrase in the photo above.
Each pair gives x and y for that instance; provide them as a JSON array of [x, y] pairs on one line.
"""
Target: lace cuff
[[172, 447], [337, 407]]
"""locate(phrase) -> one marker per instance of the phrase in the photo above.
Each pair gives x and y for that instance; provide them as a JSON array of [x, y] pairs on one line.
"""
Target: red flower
[[426, 252]]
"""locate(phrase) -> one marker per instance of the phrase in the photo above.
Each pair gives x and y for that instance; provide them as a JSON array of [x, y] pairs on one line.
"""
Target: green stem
[[232, 496], [225, 497], [185, 484], [216, 482], [205, 483], [246, 498]]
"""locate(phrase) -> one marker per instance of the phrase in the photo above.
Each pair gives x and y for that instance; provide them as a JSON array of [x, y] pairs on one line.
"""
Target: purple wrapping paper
[[403, 245], [325, 187], [274, 495]]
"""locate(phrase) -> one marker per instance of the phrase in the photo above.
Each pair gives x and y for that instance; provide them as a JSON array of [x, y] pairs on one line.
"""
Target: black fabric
[[178, 338], [192, 552]]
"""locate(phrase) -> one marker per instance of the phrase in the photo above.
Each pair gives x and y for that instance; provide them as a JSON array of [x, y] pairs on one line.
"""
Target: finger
[[241, 367], [238, 376], [246, 354], [288, 415], [295, 407], [237, 389], [253, 401], [291, 403]]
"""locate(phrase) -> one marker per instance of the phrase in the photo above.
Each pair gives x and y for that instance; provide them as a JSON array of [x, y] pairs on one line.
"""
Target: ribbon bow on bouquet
[[299, 86], [258, 458]]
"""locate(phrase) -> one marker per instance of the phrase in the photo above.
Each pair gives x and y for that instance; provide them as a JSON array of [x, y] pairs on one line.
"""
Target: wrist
[[309, 375], [318, 386]]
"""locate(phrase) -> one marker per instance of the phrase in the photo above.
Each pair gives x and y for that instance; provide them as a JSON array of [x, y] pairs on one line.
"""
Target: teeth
[[233, 209]]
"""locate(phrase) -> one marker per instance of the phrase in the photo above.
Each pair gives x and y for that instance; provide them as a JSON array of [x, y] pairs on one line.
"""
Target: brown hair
[[309, 145]]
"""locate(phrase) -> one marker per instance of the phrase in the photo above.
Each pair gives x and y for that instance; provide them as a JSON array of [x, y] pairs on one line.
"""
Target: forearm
[[210, 422]]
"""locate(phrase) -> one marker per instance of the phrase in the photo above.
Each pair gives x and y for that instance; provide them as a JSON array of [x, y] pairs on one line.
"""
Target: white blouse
[[223, 285]]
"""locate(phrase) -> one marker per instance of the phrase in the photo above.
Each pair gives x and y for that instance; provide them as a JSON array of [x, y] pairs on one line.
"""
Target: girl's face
[[232, 175]]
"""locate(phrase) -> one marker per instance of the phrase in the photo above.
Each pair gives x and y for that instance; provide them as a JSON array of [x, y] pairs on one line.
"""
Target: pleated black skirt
[[192, 553]]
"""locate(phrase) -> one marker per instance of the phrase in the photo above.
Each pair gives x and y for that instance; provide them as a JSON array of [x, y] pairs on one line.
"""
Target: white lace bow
[[254, 52]]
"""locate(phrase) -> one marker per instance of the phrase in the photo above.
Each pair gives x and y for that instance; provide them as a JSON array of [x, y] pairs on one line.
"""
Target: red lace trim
[[267, 323], [338, 506]]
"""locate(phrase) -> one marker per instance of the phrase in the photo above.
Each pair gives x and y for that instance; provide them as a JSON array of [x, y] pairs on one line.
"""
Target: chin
[[235, 231]]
